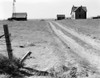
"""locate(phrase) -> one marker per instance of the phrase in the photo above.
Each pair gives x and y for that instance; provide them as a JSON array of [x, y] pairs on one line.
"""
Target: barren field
[[67, 48], [90, 27]]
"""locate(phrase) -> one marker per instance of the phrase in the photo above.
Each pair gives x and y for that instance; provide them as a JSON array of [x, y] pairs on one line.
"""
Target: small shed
[[60, 16], [97, 17], [78, 12], [18, 16]]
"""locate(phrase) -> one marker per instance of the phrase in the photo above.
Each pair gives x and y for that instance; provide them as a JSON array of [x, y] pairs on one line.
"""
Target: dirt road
[[82, 37], [92, 54]]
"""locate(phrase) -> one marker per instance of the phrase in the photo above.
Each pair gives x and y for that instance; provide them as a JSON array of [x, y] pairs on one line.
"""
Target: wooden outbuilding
[[60, 16], [78, 12], [19, 17], [97, 17]]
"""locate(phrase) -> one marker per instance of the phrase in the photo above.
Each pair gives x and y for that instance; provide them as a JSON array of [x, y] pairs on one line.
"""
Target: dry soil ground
[[55, 44]]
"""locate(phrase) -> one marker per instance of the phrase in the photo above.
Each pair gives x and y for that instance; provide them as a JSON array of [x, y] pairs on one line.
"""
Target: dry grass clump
[[59, 74], [67, 72], [13, 68]]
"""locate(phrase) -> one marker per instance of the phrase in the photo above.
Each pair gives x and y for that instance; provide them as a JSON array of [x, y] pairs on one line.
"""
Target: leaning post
[[25, 56], [8, 43]]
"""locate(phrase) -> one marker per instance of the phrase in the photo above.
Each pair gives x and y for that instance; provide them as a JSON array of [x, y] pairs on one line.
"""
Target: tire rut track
[[82, 37], [81, 51]]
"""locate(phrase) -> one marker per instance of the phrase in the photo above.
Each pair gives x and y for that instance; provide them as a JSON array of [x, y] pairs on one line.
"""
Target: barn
[[78, 12], [60, 16], [19, 17]]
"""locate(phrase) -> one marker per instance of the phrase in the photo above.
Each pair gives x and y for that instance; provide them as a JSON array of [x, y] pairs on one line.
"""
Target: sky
[[41, 9]]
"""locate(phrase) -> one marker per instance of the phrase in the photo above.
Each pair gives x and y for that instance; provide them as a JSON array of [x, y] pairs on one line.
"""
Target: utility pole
[[8, 43]]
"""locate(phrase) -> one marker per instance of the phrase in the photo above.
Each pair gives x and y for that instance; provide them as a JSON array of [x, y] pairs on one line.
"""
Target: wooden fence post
[[25, 56], [8, 43]]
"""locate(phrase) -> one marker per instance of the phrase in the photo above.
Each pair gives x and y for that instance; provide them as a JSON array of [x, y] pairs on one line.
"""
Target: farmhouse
[[78, 12], [60, 17]]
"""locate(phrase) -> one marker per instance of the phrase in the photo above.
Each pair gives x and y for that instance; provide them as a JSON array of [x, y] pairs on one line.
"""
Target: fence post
[[8, 43], [25, 56]]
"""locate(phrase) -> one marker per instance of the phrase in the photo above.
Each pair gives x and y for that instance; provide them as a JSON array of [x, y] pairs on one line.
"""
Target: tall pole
[[14, 8], [8, 43]]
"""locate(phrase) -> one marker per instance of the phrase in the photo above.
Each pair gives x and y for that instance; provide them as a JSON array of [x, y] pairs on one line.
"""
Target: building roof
[[60, 15], [19, 15], [74, 8]]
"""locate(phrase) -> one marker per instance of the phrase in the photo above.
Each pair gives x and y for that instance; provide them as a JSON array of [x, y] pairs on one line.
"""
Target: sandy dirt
[[37, 37], [89, 55], [83, 37], [52, 46]]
